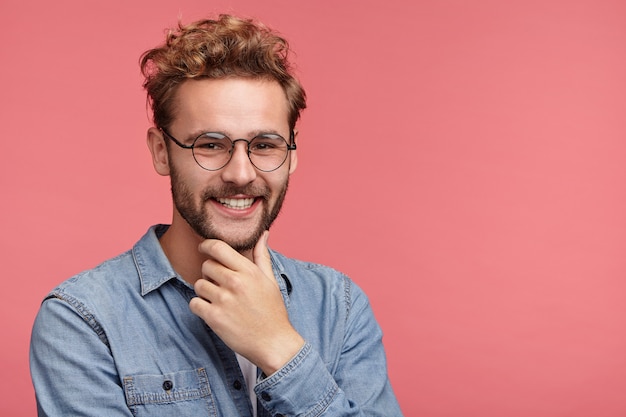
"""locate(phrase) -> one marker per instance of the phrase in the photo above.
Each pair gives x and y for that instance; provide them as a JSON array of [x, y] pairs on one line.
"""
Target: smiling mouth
[[236, 203]]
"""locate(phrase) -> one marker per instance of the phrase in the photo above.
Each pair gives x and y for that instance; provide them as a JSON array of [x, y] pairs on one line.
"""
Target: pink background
[[463, 161]]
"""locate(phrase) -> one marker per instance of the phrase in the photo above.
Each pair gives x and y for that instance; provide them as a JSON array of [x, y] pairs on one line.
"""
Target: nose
[[239, 170]]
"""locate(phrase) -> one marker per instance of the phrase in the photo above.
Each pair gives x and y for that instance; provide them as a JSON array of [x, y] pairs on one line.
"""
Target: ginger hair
[[214, 49]]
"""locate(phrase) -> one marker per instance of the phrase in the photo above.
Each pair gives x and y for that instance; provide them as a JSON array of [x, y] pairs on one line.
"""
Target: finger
[[261, 256], [205, 289], [214, 272], [220, 252], [201, 308], [201, 305]]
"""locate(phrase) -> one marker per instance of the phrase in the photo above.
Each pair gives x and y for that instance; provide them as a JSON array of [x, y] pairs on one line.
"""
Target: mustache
[[227, 190]]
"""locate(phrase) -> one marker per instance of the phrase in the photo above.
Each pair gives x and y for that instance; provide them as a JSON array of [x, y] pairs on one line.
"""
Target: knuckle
[[219, 246], [212, 246], [236, 284]]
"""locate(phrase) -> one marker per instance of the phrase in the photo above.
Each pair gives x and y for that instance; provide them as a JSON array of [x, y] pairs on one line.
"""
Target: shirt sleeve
[[72, 368], [359, 386]]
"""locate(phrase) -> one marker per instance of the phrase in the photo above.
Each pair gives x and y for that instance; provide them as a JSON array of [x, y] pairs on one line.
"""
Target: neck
[[181, 248]]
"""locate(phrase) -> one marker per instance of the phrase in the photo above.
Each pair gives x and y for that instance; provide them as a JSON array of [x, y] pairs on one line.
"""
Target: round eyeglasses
[[213, 151]]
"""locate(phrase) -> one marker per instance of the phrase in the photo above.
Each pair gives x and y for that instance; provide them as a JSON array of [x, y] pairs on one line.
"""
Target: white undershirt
[[248, 369]]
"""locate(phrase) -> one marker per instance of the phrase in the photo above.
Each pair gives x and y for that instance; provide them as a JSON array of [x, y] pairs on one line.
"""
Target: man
[[200, 318]]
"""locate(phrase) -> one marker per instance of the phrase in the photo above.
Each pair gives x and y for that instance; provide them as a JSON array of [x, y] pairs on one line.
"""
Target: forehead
[[231, 105]]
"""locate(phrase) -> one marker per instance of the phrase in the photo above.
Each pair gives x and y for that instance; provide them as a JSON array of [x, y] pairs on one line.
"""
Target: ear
[[293, 155], [158, 149]]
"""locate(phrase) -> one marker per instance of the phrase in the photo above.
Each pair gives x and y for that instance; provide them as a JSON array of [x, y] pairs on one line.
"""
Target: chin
[[243, 245], [240, 243]]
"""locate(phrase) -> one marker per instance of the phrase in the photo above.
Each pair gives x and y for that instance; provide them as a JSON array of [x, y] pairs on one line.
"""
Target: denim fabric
[[120, 340]]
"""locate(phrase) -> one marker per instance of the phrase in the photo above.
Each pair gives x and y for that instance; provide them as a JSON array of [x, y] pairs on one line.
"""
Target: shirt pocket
[[180, 394]]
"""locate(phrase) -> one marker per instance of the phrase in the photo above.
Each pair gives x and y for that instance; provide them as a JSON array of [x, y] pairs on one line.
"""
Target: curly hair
[[226, 47]]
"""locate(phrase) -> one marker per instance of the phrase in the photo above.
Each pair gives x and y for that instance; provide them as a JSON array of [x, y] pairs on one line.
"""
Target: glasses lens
[[268, 152], [212, 150]]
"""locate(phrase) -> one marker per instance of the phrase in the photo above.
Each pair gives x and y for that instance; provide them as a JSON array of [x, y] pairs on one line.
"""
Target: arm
[[358, 387], [241, 302], [71, 366]]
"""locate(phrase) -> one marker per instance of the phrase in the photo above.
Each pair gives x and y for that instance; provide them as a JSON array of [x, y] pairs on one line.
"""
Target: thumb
[[261, 255]]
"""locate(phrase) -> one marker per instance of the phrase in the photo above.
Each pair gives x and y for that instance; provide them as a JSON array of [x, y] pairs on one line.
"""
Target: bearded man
[[200, 317]]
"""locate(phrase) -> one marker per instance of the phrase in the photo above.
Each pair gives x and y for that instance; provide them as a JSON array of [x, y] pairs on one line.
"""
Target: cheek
[[186, 178], [278, 182]]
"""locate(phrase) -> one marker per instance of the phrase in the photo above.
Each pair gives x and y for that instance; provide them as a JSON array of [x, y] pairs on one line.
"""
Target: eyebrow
[[252, 134]]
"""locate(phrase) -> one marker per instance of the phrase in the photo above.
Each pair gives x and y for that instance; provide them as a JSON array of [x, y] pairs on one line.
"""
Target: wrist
[[281, 354]]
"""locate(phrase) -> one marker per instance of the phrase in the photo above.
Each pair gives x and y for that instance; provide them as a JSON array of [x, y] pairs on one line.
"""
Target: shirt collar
[[152, 265]]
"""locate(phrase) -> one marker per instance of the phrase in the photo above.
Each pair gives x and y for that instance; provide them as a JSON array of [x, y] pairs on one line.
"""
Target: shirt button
[[237, 385], [266, 396], [167, 385]]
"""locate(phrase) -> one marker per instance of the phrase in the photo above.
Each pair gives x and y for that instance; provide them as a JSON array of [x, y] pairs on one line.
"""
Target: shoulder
[[319, 280], [109, 272], [101, 283], [84, 299], [136, 271], [296, 268]]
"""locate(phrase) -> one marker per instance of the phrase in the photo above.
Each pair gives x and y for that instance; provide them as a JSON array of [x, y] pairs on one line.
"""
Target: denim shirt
[[120, 340]]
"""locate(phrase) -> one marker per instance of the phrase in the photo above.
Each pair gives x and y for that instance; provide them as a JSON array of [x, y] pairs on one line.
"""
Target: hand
[[241, 301]]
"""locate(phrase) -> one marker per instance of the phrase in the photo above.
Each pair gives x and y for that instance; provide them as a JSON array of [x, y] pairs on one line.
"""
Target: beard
[[197, 216]]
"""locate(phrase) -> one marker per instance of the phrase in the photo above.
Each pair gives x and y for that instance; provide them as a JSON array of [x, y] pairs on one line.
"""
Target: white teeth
[[236, 203]]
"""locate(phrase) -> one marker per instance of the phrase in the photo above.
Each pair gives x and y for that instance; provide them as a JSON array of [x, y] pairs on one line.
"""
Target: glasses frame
[[291, 146]]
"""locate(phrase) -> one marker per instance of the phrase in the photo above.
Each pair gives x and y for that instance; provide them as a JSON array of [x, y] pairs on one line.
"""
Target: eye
[[261, 145], [207, 144], [267, 144], [210, 143]]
